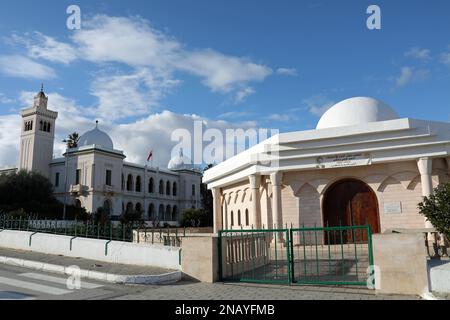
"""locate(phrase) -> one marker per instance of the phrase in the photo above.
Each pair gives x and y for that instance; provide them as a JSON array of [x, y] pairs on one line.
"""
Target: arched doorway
[[350, 202]]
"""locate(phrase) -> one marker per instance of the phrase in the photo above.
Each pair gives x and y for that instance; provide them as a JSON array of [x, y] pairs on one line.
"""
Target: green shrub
[[436, 208]]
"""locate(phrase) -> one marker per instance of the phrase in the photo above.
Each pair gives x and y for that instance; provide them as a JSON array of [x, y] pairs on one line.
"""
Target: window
[[232, 218], [151, 186], [77, 176], [57, 179], [129, 182], [175, 213], [138, 184], [41, 125], [138, 208], [151, 211], [168, 188], [48, 127], [247, 218], [28, 126], [239, 217], [168, 215], [161, 187], [123, 183], [193, 190], [174, 189], [108, 177]]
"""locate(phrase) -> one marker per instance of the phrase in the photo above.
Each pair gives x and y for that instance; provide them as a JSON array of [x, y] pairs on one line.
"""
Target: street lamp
[[66, 154]]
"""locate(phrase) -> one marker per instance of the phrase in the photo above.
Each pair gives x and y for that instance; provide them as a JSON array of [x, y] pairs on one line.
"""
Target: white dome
[[96, 137], [356, 111], [180, 162]]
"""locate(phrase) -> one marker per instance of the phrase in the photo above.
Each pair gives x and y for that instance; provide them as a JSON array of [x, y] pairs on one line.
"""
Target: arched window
[[175, 213], [193, 190], [151, 211], [232, 218], [107, 207], [247, 218], [41, 125], [174, 189], [45, 126], [138, 207], [168, 188], [161, 212], [151, 186], [48, 127], [138, 184], [161, 187], [130, 183], [123, 182], [168, 216], [239, 218], [129, 207]]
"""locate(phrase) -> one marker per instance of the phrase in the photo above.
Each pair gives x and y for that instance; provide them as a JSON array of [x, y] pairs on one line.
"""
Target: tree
[[72, 140], [436, 208], [207, 201], [29, 192], [193, 218]]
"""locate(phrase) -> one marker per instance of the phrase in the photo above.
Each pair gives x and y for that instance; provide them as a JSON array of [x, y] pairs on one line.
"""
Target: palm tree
[[72, 140]]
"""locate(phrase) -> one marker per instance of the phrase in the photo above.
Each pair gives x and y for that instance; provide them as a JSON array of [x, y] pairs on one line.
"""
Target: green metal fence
[[87, 229], [331, 255], [322, 256], [254, 256]]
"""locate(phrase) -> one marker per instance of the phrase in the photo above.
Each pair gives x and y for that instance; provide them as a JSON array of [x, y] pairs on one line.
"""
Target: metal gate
[[320, 256]]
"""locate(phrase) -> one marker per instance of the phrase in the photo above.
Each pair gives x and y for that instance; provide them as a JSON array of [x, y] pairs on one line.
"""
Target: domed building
[[98, 175], [362, 165]]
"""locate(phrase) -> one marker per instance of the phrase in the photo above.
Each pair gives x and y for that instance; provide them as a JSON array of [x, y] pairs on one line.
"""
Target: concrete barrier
[[402, 262], [199, 258], [94, 249]]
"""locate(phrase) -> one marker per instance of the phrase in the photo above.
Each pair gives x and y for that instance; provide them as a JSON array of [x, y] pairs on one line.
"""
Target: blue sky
[[152, 66]]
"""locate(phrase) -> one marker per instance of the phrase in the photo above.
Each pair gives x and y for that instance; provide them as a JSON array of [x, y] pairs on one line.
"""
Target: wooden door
[[350, 203]]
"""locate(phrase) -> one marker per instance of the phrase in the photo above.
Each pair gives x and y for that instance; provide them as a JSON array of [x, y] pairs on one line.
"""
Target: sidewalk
[[90, 269]]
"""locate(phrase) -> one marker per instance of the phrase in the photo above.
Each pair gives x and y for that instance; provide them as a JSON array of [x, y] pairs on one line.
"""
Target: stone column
[[277, 215], [217, 209], [256, 202], [425, 166], [225, 214]]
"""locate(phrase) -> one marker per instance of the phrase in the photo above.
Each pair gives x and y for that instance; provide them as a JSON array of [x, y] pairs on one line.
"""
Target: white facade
[[95, 175], [290, 178]]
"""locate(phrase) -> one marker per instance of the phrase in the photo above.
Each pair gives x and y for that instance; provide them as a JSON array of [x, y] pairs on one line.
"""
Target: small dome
[[96, 137], [356, 111], [180, 162]]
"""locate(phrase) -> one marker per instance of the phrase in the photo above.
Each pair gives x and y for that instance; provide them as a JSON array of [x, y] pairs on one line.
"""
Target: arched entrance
[[350, 202]]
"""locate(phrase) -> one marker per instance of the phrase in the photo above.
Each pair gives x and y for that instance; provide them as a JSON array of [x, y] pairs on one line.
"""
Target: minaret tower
[[38, 135]]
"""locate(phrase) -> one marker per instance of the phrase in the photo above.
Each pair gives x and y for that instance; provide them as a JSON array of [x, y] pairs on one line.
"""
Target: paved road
[[18, 283]]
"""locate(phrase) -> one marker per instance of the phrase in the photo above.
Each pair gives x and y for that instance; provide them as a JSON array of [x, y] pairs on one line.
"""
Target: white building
[[98, 176], [361, 165]]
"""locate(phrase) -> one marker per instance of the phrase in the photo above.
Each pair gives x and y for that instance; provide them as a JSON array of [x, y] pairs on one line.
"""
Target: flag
[[150, 155]]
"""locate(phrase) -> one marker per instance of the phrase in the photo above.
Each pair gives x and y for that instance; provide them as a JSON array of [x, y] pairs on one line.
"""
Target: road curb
[[165, 278]]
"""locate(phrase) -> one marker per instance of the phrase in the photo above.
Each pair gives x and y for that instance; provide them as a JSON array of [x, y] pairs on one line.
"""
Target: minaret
[[38, 135]]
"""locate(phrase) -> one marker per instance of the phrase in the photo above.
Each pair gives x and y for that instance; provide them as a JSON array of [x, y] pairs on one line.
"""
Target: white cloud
[[318, 104], [23, 67], [133, 42], [40, 46], [418, 53], [280, 117], [242, 94], [134, 94], [409, 75], [135, 139], [287, 72], [5, 100], [9, 140], [127, 40], [445, 58], [220, 72]]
